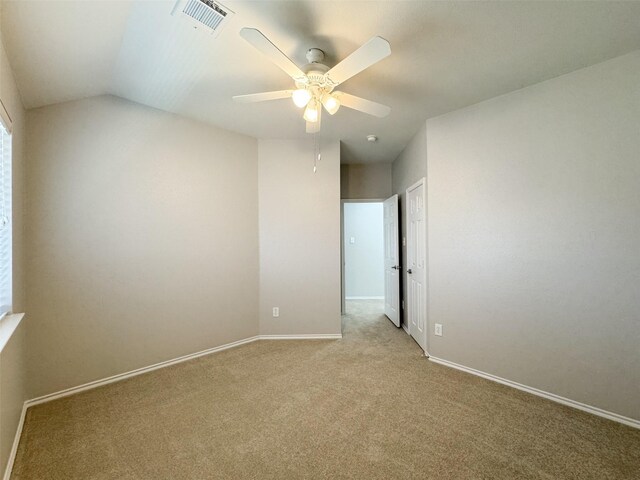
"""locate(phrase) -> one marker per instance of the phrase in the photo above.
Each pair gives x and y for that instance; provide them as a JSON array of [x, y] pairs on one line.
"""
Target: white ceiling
[[445, 55]]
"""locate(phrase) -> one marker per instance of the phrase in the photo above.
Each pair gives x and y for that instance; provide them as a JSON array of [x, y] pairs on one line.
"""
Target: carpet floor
[[368, 406]]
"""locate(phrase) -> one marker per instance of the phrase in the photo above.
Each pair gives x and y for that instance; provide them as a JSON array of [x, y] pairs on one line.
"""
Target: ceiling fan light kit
[[315, 82]]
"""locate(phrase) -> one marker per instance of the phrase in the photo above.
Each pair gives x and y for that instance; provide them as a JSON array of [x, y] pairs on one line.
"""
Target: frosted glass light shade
[[301, 97], [331, 103], [311, 112]]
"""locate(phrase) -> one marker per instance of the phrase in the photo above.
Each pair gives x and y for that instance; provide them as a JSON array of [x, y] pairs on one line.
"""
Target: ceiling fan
[[315, 82]]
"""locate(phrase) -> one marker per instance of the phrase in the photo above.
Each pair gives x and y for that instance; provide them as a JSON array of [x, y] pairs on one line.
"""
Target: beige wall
[[13, 356], [143, 239], [143, 228], [299, 238], [407, 169], [365, 180], [534, 235]]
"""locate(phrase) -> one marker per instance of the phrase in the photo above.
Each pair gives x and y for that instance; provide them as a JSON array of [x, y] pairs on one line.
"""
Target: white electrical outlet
[[276, 311], [438, 329]]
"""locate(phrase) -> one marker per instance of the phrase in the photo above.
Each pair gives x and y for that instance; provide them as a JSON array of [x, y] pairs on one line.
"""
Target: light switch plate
[[352, 240], [276, 311], [438, 329]]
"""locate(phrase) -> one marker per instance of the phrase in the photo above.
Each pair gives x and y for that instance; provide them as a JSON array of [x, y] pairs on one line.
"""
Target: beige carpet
[[368, 406]]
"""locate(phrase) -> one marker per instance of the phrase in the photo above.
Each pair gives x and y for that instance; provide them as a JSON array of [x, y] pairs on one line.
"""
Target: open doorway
[[363, 260]]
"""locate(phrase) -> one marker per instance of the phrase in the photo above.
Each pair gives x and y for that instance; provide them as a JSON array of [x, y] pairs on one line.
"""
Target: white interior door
[[417, 263], [391, 261]]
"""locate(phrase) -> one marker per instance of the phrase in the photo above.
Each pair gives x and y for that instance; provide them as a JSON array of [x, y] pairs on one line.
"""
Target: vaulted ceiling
[[445, 55]]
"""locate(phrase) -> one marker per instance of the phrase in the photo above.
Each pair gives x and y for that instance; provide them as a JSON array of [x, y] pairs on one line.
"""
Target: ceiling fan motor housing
[[315, 55], [315, 71], [316, 77]]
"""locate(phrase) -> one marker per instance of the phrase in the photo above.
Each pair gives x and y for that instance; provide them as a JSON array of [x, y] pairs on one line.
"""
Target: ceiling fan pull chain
[[317, 155]]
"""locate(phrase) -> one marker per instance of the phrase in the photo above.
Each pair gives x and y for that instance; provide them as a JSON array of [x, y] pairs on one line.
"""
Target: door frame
[[423, 182], [342, 202]]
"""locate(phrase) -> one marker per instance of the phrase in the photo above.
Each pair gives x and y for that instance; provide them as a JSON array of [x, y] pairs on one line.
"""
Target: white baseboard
[[139, 371], [364, 298], [541, 393], [16, 441], [167, 363], [405, 328], [313, 336]]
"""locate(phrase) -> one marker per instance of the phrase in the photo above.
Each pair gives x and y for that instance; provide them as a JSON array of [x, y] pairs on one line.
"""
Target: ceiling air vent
[[207, 15]]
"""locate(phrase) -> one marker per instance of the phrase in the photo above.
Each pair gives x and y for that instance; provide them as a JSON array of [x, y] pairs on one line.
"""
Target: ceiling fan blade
[[362, 105], [264, 96], [371, 52], [263, 44]]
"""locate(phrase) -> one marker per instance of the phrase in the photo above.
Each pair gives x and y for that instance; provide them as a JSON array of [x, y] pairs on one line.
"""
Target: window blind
[[5, 220]]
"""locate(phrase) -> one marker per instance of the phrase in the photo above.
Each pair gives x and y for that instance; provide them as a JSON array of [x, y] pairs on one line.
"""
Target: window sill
[[8, 324]]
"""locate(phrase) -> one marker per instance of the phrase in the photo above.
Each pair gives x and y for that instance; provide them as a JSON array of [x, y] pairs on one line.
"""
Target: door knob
[[396, 267], [409, 272]]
